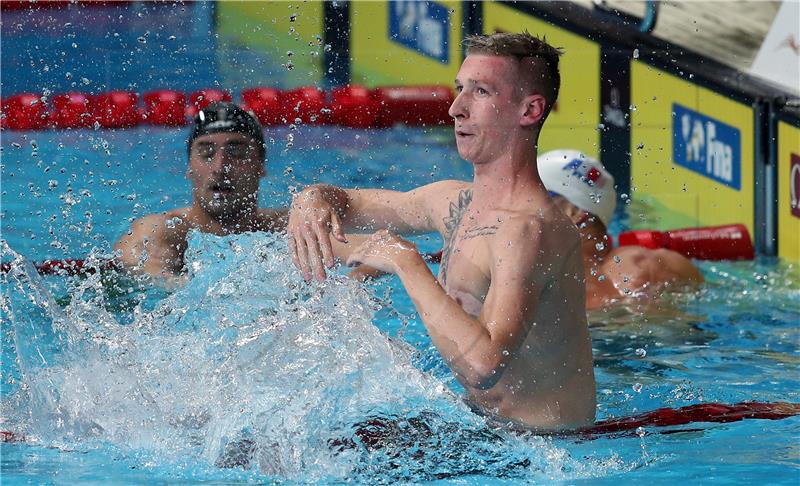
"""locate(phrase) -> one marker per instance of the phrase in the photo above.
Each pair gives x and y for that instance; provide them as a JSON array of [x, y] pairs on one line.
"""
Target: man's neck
[[595, 248], [510, 180]]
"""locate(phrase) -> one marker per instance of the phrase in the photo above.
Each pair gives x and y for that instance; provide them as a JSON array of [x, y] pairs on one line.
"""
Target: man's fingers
[[336, 228], [324, 240], [302, 255], [314, 256], [293, 252]]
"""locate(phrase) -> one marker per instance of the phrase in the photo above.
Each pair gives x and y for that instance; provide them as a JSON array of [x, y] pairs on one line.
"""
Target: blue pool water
[[116, 381]]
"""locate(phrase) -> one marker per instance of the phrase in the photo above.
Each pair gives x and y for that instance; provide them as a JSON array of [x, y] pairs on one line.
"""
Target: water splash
[[248, 366]]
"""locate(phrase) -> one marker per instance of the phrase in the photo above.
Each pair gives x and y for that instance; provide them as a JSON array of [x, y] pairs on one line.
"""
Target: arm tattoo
[[451, 224]]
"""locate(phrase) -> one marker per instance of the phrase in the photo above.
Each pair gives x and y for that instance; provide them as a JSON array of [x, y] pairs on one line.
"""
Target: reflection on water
[[247, 366]]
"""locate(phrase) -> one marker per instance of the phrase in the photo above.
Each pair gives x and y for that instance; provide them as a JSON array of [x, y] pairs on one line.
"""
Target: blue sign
[[706, 146], [422, 26]]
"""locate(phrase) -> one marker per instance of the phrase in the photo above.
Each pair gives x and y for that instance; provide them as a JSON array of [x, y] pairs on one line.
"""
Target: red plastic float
[[728, 242], [414, 105], [165, 107], [306, 103], [354, 106], [72, 110], [24, 112], [117, 109], [200, 99], [265, 103]]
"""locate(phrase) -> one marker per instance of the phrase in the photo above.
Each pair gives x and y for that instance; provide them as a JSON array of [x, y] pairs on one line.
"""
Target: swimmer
[[226, 162], [507, 309], [584, 190]]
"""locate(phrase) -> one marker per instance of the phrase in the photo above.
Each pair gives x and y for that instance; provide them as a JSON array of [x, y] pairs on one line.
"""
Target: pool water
[[117, 381]]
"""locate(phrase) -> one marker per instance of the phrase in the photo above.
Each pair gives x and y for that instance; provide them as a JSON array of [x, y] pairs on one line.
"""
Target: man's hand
[[312, 221], [384, 251]]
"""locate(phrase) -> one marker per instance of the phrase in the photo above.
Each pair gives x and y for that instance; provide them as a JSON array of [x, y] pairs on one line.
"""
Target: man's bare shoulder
[[161, 227], [534, 236]]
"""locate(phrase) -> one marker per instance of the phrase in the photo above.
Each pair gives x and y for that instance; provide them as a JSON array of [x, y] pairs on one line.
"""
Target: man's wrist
[[409, 264]]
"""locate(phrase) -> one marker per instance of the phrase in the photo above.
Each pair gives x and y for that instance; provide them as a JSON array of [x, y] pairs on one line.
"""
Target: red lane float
[[204, 97], [72, 110], [414, 105], [306, 104], [39, 4], [165, 107], [117, 109], [728, 242], [701, 412], [24, 112], [265, 103], [354, 106]]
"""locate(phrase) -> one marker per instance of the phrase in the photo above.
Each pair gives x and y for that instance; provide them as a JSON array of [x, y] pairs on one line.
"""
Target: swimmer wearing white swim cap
[[584, 190]]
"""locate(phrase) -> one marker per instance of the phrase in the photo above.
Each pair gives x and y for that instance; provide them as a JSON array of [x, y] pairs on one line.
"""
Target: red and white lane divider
[[350, 106]]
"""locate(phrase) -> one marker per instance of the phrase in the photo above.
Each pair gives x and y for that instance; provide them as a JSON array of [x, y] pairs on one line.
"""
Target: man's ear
[[533, 110]]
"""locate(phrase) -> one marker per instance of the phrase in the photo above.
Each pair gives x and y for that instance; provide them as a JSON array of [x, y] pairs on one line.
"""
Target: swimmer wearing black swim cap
[[226, 163], [224, 117]]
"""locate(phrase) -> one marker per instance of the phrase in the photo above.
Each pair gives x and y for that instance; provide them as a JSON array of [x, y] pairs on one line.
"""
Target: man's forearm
[[464, 342]]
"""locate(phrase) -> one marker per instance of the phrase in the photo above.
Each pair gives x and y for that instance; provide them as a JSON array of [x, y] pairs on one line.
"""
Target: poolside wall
[[700, 151]]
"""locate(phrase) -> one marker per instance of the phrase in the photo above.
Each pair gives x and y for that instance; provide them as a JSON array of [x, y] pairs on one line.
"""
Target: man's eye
[[459, 89], [482, 91]]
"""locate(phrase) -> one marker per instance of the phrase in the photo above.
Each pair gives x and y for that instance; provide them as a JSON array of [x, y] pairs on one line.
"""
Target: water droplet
[[600, 246], [292, 17], [636, 53], [142, 39], [637, 387], [641, 352]]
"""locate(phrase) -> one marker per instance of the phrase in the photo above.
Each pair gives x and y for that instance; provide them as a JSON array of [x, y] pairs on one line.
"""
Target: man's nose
[[458, 109], [219, 162]]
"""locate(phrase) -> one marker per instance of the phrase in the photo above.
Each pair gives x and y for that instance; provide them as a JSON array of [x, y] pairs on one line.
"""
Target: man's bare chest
[[465, 271]]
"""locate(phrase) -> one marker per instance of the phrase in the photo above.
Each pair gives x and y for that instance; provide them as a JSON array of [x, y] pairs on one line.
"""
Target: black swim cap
[[224, 117]]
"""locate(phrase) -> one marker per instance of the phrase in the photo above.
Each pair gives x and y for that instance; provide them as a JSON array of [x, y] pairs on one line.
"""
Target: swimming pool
[[72, 195], [144, 385]]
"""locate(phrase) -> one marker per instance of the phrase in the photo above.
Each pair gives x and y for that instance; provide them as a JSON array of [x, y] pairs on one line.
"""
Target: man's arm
[[148, 248], [322, 210], [478, 348]]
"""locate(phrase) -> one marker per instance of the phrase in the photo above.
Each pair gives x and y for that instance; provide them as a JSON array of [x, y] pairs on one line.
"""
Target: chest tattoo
[[451, 224], [477, 231]]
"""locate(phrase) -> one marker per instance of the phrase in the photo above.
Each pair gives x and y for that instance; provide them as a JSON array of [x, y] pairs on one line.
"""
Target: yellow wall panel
[[573, 124], [379, 59], [788, 188], [656, 175], [272, 30]]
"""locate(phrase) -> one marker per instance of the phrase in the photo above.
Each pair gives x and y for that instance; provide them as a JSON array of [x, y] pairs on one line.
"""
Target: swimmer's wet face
[[225, 169], [486, 108]]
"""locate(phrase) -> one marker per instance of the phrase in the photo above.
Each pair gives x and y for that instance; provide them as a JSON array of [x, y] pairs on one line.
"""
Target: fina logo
[[422, 26], [706, 146]]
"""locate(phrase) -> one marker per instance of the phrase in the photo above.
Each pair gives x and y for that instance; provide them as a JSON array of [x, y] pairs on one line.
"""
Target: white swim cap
[[582, 180]]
